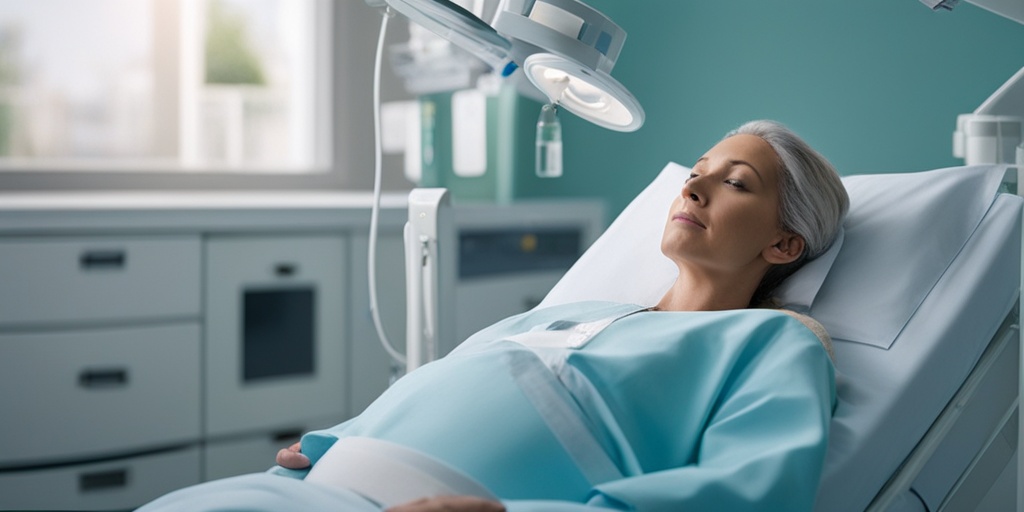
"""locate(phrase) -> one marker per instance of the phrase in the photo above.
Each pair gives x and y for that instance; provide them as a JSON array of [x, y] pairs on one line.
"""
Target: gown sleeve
[[314, 445], [763, 447]]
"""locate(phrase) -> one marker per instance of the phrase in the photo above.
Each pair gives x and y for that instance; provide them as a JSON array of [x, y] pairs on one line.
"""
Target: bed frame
[[987, 399]]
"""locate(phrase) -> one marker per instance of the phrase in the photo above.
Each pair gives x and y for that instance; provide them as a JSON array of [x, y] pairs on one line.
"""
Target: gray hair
[[812, 199]]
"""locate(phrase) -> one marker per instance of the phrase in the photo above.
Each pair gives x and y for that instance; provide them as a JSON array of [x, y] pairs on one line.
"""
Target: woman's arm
[[762, 446]]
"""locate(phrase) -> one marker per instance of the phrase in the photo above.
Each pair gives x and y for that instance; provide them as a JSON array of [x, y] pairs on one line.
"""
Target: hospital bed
[[920, 296]]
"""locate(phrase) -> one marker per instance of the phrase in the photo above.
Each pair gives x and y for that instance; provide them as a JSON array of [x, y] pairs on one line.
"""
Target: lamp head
[[590, 94], [567, 50]]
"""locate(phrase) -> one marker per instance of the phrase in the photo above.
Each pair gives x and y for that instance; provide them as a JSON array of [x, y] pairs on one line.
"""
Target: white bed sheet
[[890, 387]]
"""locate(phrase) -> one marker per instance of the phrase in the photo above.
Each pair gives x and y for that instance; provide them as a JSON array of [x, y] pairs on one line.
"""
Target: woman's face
[[727, 214]]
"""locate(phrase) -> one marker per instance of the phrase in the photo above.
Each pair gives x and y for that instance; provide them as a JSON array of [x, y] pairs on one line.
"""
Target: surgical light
[[567, 50], [596, 97]]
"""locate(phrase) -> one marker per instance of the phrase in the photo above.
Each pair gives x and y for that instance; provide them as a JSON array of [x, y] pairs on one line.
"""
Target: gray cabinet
[[144, 349], [100, 369], [135, 365]]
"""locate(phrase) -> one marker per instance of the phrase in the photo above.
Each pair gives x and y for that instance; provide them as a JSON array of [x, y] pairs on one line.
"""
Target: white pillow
[[798, 291], [902, 232]]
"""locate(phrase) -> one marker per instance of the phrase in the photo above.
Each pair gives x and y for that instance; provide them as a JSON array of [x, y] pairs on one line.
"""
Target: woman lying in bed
[[703, 401]]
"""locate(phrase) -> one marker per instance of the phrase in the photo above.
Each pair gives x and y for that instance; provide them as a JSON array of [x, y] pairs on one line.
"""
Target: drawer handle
[[102, 259], [286, 435], [103, 480], [105, 378], [286, 269]]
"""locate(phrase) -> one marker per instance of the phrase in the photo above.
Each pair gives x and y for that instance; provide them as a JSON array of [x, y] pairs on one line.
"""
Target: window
[[165, 86]]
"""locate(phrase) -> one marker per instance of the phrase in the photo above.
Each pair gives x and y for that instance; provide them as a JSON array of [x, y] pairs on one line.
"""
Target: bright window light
[[164, 85]]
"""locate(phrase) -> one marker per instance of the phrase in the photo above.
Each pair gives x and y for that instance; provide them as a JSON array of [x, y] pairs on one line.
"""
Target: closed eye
[[736, 184]]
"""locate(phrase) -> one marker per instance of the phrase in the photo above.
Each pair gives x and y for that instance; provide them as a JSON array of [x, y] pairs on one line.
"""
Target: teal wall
[[875, 85]]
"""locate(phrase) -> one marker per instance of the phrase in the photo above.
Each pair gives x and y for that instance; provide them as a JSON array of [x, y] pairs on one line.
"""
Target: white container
[[987, 139]]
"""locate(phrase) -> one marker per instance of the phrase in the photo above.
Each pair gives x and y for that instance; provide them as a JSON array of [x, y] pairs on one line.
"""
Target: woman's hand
[[292, 458], [449, 504]]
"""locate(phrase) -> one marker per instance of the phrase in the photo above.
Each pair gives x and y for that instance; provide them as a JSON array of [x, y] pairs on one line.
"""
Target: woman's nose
[[691, 191]]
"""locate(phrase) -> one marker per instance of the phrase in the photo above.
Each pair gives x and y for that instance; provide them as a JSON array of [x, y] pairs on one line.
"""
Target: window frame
[[347, 32]]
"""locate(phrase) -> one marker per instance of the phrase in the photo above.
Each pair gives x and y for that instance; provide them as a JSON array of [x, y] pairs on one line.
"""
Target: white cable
[[375, 210]]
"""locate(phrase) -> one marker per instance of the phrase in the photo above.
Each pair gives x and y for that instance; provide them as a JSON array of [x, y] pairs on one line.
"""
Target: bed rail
[[902, 480]]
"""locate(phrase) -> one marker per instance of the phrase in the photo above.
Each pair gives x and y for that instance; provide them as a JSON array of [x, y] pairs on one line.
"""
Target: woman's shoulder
[[815, 327]]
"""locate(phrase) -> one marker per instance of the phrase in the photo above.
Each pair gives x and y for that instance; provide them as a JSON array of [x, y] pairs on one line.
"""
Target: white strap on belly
[[539, 381], [564, 418], [389, 474]]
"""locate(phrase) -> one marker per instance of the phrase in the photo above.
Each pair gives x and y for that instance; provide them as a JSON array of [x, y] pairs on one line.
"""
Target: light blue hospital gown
[[654, 411]]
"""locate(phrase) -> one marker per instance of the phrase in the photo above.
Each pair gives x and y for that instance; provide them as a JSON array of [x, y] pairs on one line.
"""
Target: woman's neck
[[693, 291]]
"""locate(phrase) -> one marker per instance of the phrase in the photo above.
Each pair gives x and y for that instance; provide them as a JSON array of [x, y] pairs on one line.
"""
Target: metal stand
[[429, 209]]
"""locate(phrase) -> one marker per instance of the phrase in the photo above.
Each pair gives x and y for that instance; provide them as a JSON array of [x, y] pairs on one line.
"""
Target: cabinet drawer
[[111, 485], [274, 338], [98, 278], [77, 394]]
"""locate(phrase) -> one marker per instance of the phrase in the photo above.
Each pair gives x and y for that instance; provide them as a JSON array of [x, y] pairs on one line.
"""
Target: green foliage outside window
[[230, 58], [10, 76]]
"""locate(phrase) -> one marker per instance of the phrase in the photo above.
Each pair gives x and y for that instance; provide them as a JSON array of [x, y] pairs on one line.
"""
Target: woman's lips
[[688, 219]]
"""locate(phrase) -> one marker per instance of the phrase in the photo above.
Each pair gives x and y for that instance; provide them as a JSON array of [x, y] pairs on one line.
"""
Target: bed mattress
[[888, 398]]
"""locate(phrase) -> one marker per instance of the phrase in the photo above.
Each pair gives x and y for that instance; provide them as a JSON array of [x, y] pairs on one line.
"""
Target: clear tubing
[[371, 258]]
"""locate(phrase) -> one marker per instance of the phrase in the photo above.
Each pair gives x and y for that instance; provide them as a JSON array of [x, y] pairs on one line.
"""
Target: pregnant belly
[[470, 413]]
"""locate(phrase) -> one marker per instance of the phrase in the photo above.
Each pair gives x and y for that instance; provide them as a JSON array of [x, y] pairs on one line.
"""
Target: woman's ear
[[787, 248]]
